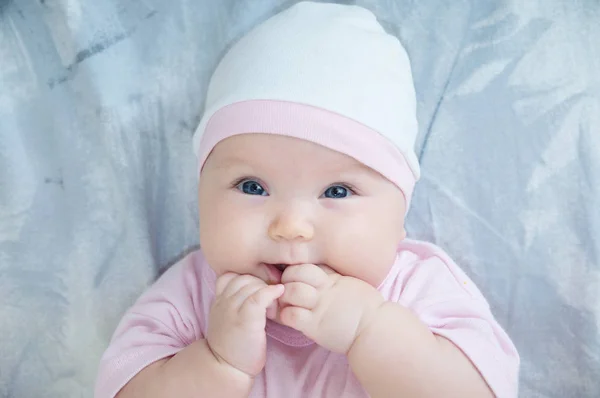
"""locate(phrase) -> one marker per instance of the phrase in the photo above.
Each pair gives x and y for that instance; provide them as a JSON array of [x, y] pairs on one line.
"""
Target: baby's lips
[[273, 274]]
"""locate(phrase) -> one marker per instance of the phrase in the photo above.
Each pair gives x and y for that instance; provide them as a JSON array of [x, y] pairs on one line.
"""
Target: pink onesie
[[174, 312]]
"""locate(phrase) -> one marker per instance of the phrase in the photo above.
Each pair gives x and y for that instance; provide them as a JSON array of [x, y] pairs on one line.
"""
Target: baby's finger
[[299, 294], [238, 283], [262, 299], [327, 269], [272, 310], [242, 295], [223, 281], [297, 318], [307, 273]]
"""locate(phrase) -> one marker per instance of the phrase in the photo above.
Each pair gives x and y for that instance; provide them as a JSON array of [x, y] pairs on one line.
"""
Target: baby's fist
[[327, 307], [236, 326]]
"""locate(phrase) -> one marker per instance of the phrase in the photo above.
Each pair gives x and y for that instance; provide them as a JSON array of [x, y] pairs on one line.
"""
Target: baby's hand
[[236, 326], [327, 307]]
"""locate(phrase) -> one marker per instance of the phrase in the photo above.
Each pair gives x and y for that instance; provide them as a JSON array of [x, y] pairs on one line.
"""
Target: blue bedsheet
[[98, 103]]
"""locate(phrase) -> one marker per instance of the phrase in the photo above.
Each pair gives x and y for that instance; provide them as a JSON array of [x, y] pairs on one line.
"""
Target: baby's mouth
[[274, 272], [280, 267]]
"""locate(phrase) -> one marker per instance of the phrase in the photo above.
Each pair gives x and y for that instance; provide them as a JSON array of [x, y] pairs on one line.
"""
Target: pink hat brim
[[313, 124]]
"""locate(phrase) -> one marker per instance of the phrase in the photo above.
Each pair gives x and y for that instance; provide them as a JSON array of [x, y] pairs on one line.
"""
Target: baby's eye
[[251, 187], [337, 192]]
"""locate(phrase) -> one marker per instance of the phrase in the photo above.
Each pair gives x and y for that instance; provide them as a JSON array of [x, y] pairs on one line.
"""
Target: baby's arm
[[436, 337], [454, 348], [396, 352], [192, 372], [166, 347]]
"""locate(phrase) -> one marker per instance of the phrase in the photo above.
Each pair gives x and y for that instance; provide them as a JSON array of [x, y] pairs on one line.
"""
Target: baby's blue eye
[[337, 192], [251, 187]]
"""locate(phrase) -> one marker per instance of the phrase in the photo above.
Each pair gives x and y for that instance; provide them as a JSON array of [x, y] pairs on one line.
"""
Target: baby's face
[[268, 201]]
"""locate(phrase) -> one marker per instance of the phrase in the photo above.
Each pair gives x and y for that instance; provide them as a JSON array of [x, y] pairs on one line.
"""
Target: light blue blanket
[[98, 102]]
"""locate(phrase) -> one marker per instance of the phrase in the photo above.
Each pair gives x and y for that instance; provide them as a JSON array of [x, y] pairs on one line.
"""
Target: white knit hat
[[326, 73]]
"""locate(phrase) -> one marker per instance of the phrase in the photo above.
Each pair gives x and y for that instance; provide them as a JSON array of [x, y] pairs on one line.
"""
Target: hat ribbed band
[[313, 124]]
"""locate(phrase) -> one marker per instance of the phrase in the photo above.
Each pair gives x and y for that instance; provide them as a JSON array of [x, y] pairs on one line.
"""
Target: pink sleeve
[[163, 321], [447, 301]]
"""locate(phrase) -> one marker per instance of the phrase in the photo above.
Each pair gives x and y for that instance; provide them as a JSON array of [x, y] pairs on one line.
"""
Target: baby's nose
[[291, 224]]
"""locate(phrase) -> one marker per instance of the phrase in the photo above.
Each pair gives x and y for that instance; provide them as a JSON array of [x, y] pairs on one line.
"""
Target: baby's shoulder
[[425, 274], [187, 278], [188, 266]]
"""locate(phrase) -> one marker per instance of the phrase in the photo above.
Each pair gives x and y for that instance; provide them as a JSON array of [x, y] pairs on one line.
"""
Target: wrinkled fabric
[[98, 102]]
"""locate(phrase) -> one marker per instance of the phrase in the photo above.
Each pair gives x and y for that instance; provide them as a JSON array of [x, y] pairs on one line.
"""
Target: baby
[[305, 285]]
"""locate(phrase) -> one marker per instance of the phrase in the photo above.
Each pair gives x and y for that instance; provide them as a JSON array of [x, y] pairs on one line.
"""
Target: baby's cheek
[[233, 247], [369, 259], [230, 255], [375, 269]]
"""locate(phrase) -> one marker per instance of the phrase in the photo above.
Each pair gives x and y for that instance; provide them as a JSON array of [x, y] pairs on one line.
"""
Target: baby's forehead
[[272, 151]]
